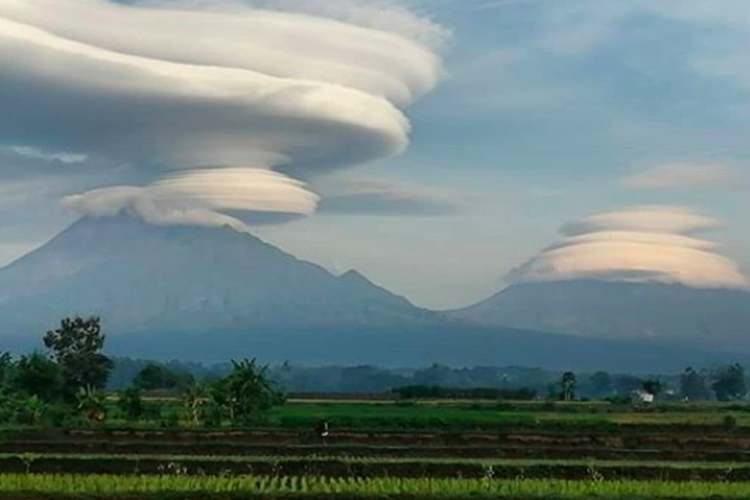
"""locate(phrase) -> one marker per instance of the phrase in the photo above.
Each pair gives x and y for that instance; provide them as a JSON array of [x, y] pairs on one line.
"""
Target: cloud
[[62, 157], [685, 176], [168, 85], [641, 244], [377, 197], [652, 219], [200, 197]]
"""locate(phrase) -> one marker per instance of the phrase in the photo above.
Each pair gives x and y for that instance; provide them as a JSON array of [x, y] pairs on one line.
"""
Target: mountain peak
[[141, 277], [354, 275]]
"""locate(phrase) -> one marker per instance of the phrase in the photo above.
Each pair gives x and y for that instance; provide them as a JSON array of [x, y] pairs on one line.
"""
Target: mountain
[[212, 294], [190, 279], [715, 318]]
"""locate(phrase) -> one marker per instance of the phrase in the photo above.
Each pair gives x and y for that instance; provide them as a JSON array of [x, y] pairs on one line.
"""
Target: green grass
[[269, 487], [462, 416], [391, 416]]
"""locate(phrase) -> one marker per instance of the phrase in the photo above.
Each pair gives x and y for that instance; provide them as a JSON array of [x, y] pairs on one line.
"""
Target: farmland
[[389, 449], [237, 435]]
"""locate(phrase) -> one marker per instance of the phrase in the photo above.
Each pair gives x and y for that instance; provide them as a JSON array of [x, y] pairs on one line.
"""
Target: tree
[[693, 385], [76, 346], [246, 391], [154, 376], [729, 383], [6, 366], [568, 386], [37, 375]]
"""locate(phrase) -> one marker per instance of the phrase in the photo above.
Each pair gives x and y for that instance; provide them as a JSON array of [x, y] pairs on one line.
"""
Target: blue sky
[[536, 124], [545, 113]]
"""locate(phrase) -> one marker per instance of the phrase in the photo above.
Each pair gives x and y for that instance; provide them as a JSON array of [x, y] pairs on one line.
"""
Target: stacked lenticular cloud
[[639, 244], [221, 85]]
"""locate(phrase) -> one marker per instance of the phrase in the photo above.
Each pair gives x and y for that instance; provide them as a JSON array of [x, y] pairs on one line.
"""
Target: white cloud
[[199, 197], [368, 196], [303, 90], [652, 219], [36, 154], [685, 176], [642, 244]]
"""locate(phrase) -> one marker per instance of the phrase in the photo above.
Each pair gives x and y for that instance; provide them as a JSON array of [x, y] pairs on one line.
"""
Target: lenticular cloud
[[200, 197], [221, 85], [639, 244]]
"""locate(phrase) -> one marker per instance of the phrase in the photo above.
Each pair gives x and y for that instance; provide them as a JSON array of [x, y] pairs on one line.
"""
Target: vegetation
[[76, 348], [155, 376], [173, 432], [693, 385], [437, 392], [284, 486], [729, 383], [568, 386], [66, 386]]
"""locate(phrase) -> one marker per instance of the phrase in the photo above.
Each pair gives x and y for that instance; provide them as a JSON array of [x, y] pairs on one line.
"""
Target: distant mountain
[[212, 294], [192, 279], [717, 318]]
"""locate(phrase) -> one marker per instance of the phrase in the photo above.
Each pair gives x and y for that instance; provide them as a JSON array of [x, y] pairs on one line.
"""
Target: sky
[[443, 148]]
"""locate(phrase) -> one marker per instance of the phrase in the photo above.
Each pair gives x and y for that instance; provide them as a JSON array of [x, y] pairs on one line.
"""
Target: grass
[[347, 415], [280, 487], [455, 415]]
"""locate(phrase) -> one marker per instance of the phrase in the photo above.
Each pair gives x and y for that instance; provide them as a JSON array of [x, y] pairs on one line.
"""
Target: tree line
[[65, 386], [724, 383]]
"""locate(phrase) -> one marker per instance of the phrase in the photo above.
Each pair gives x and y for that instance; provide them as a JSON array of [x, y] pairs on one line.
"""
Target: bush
[[131, 404]]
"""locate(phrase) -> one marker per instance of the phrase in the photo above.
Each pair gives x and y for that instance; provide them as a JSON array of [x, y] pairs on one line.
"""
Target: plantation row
[[373, 468], [348, 450], [31, 487], [728, 440]]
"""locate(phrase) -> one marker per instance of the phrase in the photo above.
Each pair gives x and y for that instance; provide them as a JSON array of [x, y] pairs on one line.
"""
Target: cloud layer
[[355, 196], [639, 244], [213, 83], [201, 197], [686, 176]]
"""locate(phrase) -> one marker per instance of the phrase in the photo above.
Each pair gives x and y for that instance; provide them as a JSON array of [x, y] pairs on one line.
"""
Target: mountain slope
[[138, 276], [704, 317]]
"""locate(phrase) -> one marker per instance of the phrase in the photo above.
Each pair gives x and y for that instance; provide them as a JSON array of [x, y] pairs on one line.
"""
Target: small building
[[642, 397]]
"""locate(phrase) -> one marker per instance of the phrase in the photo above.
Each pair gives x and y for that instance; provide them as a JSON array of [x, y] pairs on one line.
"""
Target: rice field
[[105, 486], [553, 455]]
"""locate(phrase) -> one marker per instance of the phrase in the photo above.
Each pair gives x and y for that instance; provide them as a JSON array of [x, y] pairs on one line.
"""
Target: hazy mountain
[[211, 294], [191, 279], [673, 313]]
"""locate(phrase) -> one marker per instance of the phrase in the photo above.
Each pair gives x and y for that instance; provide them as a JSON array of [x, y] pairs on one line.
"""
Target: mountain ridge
[[607, 309], [211, 294]]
